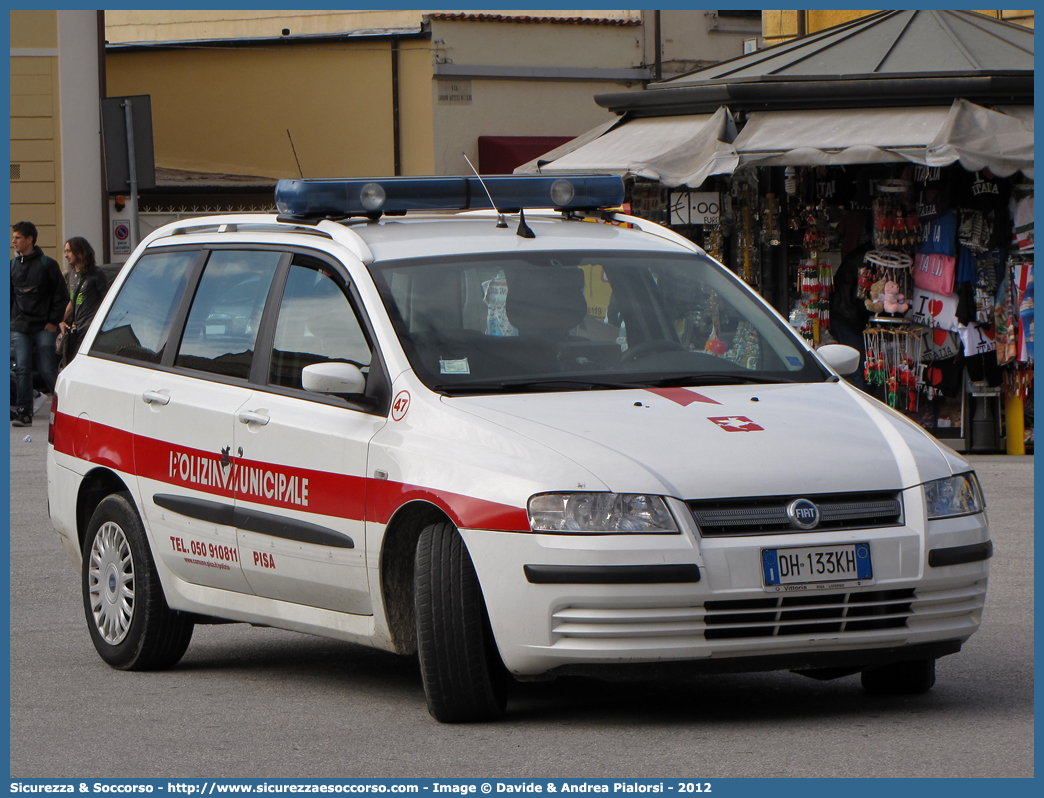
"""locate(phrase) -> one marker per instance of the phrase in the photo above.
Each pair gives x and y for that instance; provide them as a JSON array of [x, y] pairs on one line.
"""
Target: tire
[[913, 677], [130, 623], [464, 679]]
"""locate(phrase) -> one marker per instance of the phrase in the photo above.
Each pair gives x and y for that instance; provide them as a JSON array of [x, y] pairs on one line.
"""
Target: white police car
[[565, 444]]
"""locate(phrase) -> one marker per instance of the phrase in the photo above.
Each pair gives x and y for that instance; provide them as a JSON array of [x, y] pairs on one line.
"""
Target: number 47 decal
[[400, 405]]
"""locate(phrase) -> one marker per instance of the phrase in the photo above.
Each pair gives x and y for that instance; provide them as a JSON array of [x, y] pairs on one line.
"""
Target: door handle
[[150, 397], [253, 417]]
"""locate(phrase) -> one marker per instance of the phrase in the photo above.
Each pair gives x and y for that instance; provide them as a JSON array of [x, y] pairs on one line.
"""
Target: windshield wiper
[[718, 378], [572, 384], [534, 385]]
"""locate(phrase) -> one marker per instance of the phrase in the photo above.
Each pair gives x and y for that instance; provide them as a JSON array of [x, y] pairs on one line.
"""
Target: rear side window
[[139, 321], [226, 311]]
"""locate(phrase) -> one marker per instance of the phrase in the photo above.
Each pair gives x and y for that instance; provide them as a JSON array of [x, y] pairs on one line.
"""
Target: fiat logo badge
[[803, 514]]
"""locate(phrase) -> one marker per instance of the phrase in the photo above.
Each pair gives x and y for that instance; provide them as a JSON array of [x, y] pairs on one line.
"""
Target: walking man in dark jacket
[[38, 299]]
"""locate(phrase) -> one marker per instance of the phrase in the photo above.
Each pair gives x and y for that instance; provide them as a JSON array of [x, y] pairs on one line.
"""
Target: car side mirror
[[842, 359], [333, 378]]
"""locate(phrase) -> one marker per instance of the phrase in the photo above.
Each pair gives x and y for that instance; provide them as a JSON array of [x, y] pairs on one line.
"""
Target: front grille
[[608, 623], [768, 515], [776, 616], [807, 614], [761, 617]]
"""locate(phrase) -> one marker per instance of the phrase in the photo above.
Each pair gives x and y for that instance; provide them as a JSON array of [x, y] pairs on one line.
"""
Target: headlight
[[600, 513], [959, 495]]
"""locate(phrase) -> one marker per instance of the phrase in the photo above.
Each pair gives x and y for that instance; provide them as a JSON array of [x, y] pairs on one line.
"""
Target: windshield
[[572, 320]]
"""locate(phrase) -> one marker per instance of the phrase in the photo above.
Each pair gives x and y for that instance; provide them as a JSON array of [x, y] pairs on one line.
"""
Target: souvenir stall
[[945, 274], [927, 270]]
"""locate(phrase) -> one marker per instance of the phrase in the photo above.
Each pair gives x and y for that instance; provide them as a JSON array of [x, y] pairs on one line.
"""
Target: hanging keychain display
[[744, 194], [815, 283], [893, 361], [814, 278]]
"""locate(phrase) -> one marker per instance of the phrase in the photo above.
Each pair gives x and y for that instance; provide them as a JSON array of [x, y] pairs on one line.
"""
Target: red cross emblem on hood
[[736, 424]]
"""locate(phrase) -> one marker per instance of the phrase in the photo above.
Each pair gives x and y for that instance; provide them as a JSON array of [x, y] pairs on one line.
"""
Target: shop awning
[[981, 138], [676, 150], [685, 150], [937, 136], [838, 136]]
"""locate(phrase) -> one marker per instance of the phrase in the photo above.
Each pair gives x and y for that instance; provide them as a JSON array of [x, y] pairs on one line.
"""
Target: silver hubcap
[[110, 580]]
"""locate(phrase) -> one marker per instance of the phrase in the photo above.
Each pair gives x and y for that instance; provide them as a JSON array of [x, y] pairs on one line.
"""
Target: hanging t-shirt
[[939, 236], [1024, 297], [1024, 224], [945, 376], [966, 262], [981, 191], [939, 344], [966, 307], [988, 194], [934, 310], [977, 339], [984, 368], [980, 353], [933, 200]]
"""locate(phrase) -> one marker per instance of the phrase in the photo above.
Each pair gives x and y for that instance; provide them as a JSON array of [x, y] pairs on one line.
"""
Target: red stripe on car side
[[114, 449], [320, 492], [385, 497]]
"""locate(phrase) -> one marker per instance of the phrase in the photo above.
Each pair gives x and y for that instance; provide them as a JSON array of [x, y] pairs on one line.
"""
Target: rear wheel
[[130, 623], [464, 679], [900, 678]]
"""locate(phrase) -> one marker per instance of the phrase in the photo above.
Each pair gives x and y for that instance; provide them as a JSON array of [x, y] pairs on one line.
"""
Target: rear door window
[[223, 321]]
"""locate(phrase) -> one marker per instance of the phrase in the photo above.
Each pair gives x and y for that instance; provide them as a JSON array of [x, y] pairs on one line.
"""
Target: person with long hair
[[87, 287]]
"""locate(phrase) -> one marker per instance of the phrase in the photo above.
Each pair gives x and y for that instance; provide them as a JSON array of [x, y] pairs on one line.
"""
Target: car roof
[[393, 238], [433, 234]]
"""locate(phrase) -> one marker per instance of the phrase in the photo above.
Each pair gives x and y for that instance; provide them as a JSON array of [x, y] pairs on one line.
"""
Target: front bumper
[[567, 603]]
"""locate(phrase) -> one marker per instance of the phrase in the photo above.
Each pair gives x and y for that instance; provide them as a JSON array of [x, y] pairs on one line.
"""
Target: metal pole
[[658, 59], [128, 115], [104, 198], [396, 122]]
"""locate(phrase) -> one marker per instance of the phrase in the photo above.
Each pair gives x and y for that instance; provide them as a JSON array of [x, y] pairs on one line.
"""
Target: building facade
[[56, 159], [388, 92]]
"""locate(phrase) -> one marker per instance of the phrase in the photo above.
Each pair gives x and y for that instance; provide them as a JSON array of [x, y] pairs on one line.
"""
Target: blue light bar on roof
[[396, 195]]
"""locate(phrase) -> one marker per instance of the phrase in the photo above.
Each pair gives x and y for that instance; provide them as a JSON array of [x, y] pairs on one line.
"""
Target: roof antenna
[[500, 215], [295, 153], [523, 228]]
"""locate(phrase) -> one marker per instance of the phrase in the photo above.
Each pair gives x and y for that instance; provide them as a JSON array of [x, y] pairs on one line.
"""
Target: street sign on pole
[[129, 160], [114, 133], [121, 237]]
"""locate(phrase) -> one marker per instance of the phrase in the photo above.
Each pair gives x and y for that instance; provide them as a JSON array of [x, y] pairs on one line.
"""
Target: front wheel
[[130, 623], [900, 678], [464, 679]]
